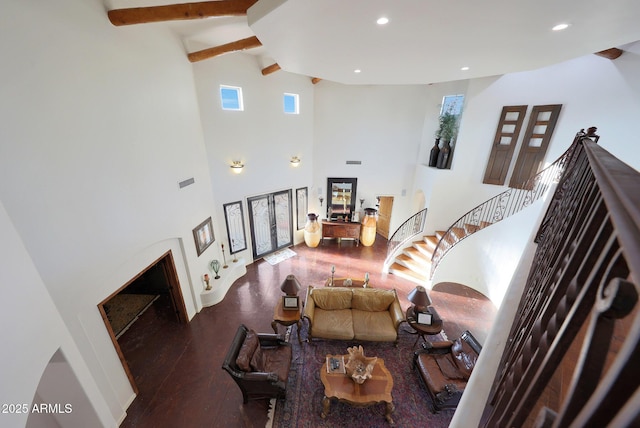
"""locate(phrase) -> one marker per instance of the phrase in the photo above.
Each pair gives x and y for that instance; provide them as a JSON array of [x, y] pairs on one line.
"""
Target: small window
[[452, 104], [291, 104], [231, 97]]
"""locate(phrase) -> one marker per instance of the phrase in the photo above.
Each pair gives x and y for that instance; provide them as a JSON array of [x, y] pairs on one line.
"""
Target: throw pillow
[[257, 361], [247, 350], [372, 300], [332, 298]]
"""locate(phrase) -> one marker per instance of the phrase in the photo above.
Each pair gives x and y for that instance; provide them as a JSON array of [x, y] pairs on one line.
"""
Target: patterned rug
[[303, 404], [278, 256]]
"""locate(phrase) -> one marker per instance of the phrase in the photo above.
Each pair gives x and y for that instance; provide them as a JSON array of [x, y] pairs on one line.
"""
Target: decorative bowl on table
[[358, 366]]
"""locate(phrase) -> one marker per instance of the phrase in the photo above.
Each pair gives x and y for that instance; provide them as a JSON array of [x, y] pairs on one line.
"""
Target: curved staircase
[[417, 261], [414, 262]]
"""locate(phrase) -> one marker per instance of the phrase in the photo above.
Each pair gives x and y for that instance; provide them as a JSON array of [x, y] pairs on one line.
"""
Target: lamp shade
[[419, 298], [290, 286]]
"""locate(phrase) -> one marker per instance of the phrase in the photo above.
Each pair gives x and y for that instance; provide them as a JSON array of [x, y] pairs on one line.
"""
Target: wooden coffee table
[[375, 390]]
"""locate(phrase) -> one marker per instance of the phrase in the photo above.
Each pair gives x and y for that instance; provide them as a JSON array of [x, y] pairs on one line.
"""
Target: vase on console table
[[368, 230], [312, 231]]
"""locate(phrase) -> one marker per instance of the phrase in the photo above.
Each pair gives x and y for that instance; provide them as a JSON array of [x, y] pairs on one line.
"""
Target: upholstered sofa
[[347, 313], [445, 368], [259, 363]]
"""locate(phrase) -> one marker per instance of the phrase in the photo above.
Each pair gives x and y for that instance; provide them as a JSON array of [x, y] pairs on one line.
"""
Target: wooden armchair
[[259, 363], [445, 368]]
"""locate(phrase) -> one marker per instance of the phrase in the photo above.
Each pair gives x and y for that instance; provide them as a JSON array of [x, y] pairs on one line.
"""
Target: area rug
[[279, 256], [123, 309], [303, 403]]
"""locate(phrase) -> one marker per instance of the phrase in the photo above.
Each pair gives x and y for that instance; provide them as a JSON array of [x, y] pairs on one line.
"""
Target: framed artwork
[[290, 303], [424, 318], [234, 218], [203, 235], [302, 206]]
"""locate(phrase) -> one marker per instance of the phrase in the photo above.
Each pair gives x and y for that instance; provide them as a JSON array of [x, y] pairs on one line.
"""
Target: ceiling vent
[[354, 162]]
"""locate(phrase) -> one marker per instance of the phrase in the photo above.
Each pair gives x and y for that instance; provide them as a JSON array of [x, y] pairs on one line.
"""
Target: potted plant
[[448, 126], [447, 132]]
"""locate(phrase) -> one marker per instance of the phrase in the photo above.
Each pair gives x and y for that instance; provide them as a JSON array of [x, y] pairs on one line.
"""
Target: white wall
[[262, 136], [381, 126], [32, 332], [98, 125], [593, 91]]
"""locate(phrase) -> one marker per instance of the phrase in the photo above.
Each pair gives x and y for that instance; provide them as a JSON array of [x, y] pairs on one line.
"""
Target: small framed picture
[[203, 235], [290, 303], [424, 318]]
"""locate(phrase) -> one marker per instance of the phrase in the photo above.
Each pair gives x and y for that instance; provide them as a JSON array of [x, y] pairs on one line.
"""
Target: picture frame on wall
[[234, 218], [203, 236], [302, 206]]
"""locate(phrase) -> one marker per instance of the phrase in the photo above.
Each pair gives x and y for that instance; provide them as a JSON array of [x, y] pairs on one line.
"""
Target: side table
[[423, 330], [286, 318]]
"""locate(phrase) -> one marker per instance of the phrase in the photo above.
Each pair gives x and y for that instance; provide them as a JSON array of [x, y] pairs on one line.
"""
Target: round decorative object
[[347, 282], [312, 231], [215, 266], [359, 367]]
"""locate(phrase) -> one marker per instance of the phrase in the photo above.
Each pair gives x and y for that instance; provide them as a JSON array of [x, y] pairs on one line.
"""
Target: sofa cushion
[[371, 299], [373, 326], [449, 368], [334, 324], [251, 342], [332, 298], [433, 376], [277, 360]]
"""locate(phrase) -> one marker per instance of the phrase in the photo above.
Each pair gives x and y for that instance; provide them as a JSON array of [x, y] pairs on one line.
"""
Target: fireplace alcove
[[157, 285]]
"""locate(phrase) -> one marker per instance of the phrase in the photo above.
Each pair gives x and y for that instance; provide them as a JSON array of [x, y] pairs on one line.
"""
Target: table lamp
[[290, 287], [419, 298]]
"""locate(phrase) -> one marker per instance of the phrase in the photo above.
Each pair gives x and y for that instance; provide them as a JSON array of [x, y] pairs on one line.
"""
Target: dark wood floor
[[177, 367]]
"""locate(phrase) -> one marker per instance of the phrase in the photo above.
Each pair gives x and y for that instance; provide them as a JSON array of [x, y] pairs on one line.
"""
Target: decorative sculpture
[[215, 266], [358, 366]]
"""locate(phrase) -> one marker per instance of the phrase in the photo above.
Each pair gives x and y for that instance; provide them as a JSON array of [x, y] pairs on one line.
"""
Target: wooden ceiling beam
[[238, 45], [611, 54], [270, 69], [176, 12]]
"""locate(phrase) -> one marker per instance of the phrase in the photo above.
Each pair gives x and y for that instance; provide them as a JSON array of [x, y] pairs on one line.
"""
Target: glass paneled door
[[271, 221]]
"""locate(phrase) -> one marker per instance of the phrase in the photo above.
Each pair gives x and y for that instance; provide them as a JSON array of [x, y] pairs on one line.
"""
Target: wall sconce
[[237, 166], [321, 199], [295, 161]]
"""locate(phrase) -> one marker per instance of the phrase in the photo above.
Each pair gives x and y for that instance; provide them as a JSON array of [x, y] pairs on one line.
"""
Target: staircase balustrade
[[410, 228]]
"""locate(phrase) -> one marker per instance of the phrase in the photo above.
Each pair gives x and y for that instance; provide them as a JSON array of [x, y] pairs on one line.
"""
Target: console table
[[341, 229]]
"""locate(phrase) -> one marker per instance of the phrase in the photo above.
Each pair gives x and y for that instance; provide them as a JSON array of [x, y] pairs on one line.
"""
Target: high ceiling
[[425, 41]]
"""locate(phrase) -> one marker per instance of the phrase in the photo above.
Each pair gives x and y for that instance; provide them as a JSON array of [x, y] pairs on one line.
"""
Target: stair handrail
[[505, 204], [413, 226]]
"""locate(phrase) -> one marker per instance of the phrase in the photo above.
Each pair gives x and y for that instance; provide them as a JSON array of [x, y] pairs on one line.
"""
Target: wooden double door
[[385, 206], [271, 222]]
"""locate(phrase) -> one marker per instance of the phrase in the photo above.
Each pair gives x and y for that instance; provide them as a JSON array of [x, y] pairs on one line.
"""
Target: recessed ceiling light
[[357, 70], [560, 27], [465, 68], [382, 20]]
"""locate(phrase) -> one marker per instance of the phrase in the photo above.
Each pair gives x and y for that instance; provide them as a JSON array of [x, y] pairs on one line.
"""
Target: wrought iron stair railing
[[577, 327], [503, 205], [403, 234]]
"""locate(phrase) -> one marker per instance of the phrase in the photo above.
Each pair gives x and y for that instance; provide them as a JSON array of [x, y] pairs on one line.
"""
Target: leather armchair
[[445, 368], [259, 363]]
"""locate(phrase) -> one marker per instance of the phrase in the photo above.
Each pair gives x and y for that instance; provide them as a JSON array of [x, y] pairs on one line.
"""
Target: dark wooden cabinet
[[341, 229]]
